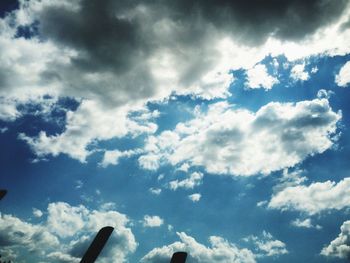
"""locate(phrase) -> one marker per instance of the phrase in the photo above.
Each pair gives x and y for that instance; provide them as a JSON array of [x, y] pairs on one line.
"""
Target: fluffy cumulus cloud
[[37, 212], [290, 178], [66, 233], [8, 109], [343, 77], [65, 220], [147, 51], [238, 142], [195, 197], [322, 93], [258, 77], [298, 72], [155, 191], [194, 179], [314, 198], [88, 123], [112, 157], [16, 233], [306, 223], [339, 247], [3, 129], [266, 245], [152, 221], [220, 251]]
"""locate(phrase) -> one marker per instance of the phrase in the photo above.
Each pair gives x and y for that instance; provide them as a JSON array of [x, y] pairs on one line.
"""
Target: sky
[[219, 128]]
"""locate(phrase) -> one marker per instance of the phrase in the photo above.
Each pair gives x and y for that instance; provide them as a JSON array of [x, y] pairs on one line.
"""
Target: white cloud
[[219, 251], [261, 203], [339, 247], [298, 72], [258, 77], [112, 157], [26, 59], [195, 197], [289, 179], [314, 70], [62, 257], [322, 93], [306, 223], [152, 221], [313, 199], [16, 234], [239, 142], [8, 109], [108, 206], [149, 161], [65, 220], [184, 167], [3, 129], [155, 191], [267, 246], [89, 122], [271, 247], [122, 242], [79, 184], [66, 233], [37, 212], [343, 77], [275, 65], [160, 177], [195, 179]]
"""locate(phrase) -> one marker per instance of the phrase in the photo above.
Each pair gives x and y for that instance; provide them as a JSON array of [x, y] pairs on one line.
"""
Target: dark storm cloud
[[255, 20], [114, 33], [111, 34], [118, 40], [104, 39]]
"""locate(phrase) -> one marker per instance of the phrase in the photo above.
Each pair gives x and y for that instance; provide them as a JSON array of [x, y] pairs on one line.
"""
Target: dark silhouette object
[[179, 257], [2, 193], [97, 245]]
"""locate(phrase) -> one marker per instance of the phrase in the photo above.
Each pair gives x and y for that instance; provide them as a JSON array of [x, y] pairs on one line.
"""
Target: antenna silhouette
[[97, 245], [179, 257], [3, 192]]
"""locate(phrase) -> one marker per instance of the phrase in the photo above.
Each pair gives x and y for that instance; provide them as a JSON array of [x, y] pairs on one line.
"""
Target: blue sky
[[230, 143]]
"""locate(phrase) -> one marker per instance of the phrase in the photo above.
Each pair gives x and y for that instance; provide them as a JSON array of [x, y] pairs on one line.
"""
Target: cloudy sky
[[220, 128]]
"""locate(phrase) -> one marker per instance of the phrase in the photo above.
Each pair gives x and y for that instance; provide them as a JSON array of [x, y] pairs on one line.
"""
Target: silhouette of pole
[[179, 257], [97, 245], [3, 192]]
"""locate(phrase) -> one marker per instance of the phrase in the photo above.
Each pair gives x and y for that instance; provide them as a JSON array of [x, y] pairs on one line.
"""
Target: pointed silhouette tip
[[97, 245], [3, 192], [179, 257], [107, 228]]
